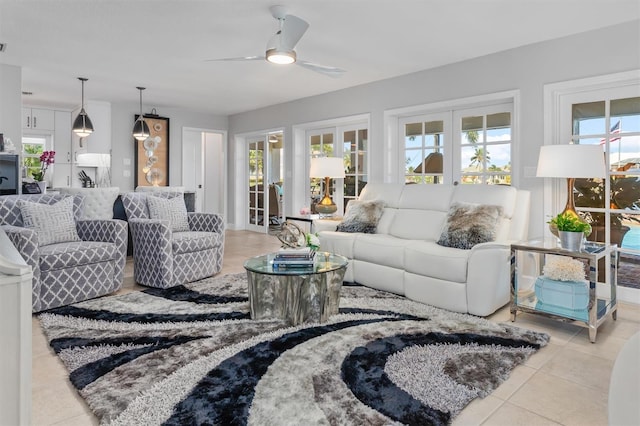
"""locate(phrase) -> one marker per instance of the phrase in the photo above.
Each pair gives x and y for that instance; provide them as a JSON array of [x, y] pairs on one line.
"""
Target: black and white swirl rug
[[191, 355]]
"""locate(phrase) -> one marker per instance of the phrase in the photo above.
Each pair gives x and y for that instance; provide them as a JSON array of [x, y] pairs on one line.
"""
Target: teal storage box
[[572, 295]]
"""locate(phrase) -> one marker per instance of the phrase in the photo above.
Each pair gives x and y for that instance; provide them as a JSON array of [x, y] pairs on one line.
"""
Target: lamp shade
[[571, 161], [321, 167], [82, 125]]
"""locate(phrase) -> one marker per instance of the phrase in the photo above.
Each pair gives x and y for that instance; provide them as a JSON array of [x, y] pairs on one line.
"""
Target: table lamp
[[571, 161], [327, 168]]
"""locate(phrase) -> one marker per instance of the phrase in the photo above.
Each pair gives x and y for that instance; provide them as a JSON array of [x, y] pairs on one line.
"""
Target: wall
[[123, 144], [526, 69], [11, 103]]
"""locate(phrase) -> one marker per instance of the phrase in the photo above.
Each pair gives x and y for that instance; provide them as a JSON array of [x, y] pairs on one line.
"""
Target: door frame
[[240, 177], [223, 170]]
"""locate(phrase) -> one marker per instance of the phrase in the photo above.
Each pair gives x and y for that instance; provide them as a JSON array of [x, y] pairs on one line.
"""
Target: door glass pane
[[424, 150], [276, 179], [627, 112], [256, 182], [355, 163], [588, 118]]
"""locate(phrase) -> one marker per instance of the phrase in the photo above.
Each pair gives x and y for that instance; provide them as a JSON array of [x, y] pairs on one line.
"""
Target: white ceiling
[[162, 45]]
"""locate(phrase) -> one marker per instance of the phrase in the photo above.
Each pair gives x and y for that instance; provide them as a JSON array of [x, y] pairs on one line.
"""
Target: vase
[[43, 186], [571, 241]]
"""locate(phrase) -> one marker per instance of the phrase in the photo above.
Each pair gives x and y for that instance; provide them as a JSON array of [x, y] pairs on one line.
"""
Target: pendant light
[[140, 128], [82, 125]]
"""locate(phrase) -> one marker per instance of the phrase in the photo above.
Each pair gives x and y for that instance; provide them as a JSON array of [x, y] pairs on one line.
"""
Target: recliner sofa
[[403, 256]]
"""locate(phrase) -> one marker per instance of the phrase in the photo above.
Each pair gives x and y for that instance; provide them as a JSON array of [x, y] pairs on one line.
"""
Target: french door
[[465, 145], [256, 156], [265, 175], [351, 143]]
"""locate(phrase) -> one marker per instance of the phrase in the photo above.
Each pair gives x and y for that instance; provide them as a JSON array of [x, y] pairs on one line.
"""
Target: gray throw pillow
[[470, 224], [362, 216], [54, 223], [172, 209]]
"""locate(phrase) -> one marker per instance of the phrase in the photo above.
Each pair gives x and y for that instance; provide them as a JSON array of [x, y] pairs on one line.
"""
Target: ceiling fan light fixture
[[281, 57], [140, 127], [82, 125]]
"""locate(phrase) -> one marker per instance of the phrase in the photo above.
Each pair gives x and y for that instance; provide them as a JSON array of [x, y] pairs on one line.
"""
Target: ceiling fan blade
[[292, 31], [239, 58], [322, 69]]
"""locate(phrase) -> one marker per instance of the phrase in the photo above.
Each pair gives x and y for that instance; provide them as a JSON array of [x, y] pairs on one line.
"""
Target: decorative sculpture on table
[[292, 236]]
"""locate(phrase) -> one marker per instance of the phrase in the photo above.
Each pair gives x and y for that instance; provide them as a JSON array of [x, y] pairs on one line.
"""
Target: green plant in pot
[[572, 230], [625, 195]]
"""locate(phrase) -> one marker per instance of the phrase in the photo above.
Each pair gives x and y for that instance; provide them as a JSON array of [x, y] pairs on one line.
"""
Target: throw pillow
[[470, 224], [172, 209], [362, 216], [54, 223]]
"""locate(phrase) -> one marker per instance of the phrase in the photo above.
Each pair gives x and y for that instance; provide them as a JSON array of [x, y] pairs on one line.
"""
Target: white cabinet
[[63, 169], [38, 119], [62, 137]]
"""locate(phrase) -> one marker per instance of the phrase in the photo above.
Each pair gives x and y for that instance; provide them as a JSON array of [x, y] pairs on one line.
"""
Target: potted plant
[[625, 195], [572, 230]]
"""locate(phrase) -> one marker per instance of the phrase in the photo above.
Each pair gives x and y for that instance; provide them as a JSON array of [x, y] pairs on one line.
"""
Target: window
[[355, 147], [424, 151], [32, 149], [466, 145], [603, 111], [321, 144], [485, 146], [613, 202], [351, 142]]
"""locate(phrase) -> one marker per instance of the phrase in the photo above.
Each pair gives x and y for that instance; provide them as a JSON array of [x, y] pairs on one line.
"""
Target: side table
[[296, 295], [527, 262]]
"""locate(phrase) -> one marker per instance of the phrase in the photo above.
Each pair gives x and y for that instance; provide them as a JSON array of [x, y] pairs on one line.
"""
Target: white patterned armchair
[[170, 246], [66, 270]]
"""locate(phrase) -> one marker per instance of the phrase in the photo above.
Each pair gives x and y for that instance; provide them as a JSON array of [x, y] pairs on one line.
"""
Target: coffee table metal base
[[296, 299]]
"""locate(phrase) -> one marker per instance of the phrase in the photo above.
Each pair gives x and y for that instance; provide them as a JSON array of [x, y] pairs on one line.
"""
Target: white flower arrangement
[[309, 240], [562, 268]]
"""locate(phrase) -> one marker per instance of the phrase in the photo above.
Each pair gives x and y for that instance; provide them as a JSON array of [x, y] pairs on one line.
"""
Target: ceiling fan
[[280, 46]]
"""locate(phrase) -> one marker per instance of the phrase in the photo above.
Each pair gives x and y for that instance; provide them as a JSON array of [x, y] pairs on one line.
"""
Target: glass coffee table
[[296, 295]]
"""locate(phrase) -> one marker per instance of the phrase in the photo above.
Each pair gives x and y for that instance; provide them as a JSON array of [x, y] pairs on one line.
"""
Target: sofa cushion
[[337, 242], [187, 242], [53, 223], [362, 216], [73, 254], [381, 249], [413, 224], [432, 260], [172, 209], [470, 224]]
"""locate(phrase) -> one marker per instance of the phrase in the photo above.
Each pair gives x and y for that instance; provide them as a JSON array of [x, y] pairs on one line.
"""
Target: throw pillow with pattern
[[362, 216], [470, 224], [53, 223], [172, 209]]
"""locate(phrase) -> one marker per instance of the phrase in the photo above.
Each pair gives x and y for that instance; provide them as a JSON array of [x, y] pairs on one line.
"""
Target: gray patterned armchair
[[165, 257], [71, 271]]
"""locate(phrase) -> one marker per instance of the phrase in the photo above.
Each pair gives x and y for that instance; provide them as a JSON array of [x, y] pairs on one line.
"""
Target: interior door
[[203, 168]]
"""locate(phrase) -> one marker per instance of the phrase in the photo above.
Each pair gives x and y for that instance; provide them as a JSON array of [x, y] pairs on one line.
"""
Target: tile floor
[[565, 383]]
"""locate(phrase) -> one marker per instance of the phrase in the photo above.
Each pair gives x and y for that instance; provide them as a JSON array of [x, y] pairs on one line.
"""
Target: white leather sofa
[[403, 256]]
